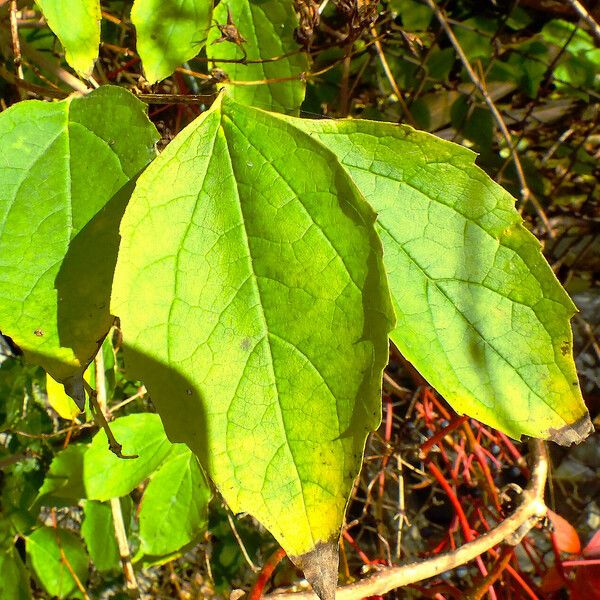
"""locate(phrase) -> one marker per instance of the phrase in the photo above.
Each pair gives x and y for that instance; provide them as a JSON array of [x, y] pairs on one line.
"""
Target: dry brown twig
[[14, 33], [526, 194], [510, 531], [587, 17], [390, 77]]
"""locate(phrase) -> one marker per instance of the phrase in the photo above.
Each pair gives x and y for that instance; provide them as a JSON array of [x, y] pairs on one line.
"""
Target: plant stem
[[115, 503]]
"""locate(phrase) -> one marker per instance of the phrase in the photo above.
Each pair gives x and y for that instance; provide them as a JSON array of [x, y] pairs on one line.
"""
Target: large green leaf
[[47, 550], [479, 311], [169, 34], [77, 25], [267, 26], [175, 504], [105, 475], [14, 579], [64, 170], [258, 316]]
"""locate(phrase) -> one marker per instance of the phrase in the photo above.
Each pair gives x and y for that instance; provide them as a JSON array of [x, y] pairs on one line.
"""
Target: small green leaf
[[47, 550], [64, 479], [14, 579], [480, 313], [175, 504], [77, 25], [98, 533], [169, 34], [268, 30], [264, 342], [415, 16], [107, 476], [64, 170]]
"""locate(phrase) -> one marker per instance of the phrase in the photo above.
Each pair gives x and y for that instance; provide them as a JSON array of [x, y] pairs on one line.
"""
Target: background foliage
[[389, 62]]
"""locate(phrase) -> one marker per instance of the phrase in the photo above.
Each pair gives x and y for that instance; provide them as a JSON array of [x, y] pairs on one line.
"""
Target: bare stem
[[14, 34], [587, 17], [115, 503], [101, 421], [526, 194], [390, 77]]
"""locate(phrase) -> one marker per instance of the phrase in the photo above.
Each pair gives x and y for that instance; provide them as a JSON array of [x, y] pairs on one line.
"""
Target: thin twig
[[265, 574], [495, 573], [587, 17], [115, 503], [65, 560], [121, 537], [101, 421], [176, 98], [526, 194], [30, 87], [510, 531], [390, 77], [14, 34], [401, 391], [241, 545], [40, 59]]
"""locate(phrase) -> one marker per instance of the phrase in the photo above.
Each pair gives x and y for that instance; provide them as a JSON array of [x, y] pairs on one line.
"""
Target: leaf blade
[[105, 475], [480, 313], [179, 493], [64, 170], [168, 36], [268, 30], [219, 179], [46, 547], [77, 26]]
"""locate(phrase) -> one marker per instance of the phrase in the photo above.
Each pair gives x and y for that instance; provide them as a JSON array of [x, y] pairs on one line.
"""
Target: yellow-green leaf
[[479, 310], [169, 34], [254, 307], [65, 176], [77, 25]]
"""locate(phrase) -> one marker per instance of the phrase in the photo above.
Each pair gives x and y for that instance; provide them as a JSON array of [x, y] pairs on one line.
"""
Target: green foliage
[[77, 25], [49, 549], [267, 28], [579, 63], [62, 188], [105, 475], [249, 266], [97, 530], [175, 507], [169, 35], [14, 579]]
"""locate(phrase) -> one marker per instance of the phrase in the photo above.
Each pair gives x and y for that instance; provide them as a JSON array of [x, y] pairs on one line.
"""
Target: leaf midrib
[[266, 329]]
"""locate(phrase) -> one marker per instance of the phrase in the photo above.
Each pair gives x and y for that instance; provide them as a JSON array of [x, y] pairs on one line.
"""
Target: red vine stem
[[265, 574]]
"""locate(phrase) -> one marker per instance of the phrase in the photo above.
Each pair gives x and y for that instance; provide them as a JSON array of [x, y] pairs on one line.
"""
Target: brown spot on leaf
[[38, 332], [565, 348], [245, 344]]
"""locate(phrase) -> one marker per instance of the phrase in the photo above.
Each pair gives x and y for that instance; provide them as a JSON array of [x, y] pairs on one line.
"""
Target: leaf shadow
[[84, 284]]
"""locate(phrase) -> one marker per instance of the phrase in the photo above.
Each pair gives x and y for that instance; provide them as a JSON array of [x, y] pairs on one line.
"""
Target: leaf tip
[[574, 433], [320, 567]]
